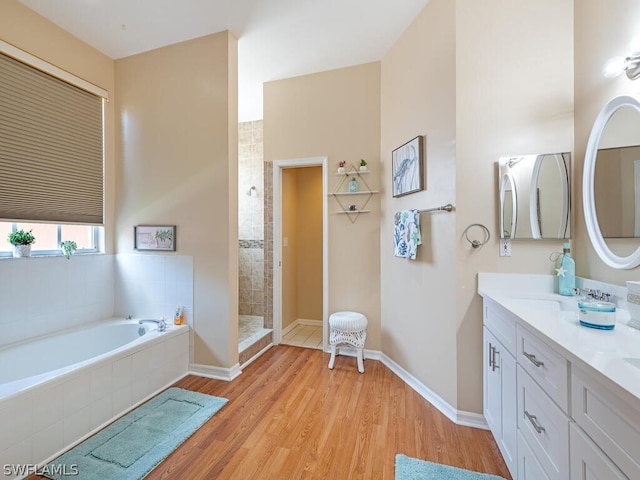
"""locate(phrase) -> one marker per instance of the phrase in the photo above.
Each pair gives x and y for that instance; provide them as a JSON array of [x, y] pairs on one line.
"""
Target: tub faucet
[[162, 325]]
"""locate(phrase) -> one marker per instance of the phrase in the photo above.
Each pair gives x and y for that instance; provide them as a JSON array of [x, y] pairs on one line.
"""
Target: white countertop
[[613, 353]]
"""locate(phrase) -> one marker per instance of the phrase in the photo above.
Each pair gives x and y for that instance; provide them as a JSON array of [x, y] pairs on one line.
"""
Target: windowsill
[[49, 255]]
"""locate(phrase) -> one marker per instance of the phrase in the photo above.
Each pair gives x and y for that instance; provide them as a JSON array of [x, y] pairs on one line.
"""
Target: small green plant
[[363, 162], [164, 235], [20, 237], [68, 247]]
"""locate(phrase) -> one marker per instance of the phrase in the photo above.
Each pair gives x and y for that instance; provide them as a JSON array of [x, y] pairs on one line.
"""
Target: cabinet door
[[492, 387], [500, 405], [587, 460]]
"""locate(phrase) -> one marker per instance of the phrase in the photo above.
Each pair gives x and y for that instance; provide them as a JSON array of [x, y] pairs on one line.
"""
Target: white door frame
[[278, 166]]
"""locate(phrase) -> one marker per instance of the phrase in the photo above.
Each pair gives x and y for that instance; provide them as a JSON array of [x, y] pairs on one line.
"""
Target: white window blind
[[51, 148]]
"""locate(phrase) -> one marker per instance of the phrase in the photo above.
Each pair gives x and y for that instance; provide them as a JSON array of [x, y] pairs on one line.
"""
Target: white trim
[[46, 67], [309, 322], [467, 419], [217, 373], [278, 166]]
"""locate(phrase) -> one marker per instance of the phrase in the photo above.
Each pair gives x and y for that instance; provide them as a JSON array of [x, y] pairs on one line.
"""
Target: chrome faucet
[[593, 293], [162, 325]]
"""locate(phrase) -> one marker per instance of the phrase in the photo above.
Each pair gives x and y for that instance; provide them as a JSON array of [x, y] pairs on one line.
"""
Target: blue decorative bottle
[[353, 186], [566, 272]]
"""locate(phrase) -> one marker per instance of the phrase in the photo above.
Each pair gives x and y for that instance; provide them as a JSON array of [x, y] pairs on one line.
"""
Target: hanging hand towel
[[406, 234]]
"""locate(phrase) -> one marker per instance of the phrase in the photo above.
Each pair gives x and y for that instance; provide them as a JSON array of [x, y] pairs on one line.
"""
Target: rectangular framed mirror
[[534, 193]]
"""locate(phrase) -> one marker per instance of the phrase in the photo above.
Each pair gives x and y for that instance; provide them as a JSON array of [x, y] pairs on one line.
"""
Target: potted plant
[[341, 166], [68, 247], [363, 165], [164, 238], [21, 241]]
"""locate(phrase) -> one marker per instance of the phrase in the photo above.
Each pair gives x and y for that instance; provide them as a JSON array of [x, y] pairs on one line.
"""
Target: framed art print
[[154, 237], [408, 167]]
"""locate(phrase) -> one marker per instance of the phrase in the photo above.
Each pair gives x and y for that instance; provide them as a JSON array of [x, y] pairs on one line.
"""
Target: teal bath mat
[[408, 468], [133, 445]]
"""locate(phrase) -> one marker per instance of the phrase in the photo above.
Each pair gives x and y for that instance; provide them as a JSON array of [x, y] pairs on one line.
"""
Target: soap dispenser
[[566, 272]]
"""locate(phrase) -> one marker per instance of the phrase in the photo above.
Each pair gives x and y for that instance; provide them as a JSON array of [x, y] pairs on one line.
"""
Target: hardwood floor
[[290, 417]]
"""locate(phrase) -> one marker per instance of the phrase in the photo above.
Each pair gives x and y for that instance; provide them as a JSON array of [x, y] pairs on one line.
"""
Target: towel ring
[[477, 243]]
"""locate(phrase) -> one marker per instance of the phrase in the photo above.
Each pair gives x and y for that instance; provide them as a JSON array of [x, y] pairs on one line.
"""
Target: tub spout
[[162, 325]]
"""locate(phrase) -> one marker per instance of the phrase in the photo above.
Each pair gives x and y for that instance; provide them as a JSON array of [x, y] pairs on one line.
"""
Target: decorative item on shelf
[[68, 247], [341, 166], [352, 208], [353, 186], [21, 241], [363, 165]]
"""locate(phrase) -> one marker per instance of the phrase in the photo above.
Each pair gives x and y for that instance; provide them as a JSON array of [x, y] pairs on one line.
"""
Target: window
[[51, 148], [48, 237]]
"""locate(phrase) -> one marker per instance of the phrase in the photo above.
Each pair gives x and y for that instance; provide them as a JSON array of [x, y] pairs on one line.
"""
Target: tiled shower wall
[[251, 218]]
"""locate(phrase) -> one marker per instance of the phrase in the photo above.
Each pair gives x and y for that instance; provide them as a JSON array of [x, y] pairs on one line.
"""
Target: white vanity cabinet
[[499, 377]]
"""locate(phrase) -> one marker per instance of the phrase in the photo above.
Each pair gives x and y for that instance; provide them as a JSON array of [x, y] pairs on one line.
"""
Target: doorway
[[300, 253]]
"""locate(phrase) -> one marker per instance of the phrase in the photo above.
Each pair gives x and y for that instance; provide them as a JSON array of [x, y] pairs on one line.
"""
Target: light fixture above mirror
[[630, 64]]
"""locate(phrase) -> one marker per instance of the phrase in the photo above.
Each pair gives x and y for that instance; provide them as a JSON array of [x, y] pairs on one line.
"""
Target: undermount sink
[[633, 361], [546, 302]]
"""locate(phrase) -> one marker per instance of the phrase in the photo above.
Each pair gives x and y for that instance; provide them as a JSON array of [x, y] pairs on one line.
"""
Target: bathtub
[[58, 389]]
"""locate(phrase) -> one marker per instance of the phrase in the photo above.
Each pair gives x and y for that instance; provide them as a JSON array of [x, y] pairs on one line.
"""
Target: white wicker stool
[[347, 328]]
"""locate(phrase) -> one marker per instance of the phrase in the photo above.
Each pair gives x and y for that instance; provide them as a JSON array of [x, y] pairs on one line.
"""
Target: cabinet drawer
[[546, 366], [544, 427], [529, 467], [587, 460], [502, 324], [610, 421]]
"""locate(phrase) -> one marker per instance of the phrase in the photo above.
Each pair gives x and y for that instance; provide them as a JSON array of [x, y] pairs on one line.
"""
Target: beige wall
[[418, 296], [310, 243], [603, 29], [23, 28], [290, 244], [177, 164], [336, 114], [514, 87], [302, 255]]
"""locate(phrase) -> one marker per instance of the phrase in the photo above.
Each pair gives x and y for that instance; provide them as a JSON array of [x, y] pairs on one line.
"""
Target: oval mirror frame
[[588, 180]]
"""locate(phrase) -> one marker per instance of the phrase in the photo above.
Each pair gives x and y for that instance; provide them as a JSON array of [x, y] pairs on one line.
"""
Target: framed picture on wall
[[154, 237], [407, 166]]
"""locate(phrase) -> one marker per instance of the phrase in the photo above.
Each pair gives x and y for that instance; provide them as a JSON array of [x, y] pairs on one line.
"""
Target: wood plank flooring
[[290, 417]]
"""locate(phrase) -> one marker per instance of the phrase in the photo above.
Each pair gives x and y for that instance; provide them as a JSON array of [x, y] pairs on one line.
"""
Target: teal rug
[[408, 468], [133, 445]]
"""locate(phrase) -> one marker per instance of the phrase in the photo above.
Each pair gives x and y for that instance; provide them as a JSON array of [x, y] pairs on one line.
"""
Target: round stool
[[347, 328]]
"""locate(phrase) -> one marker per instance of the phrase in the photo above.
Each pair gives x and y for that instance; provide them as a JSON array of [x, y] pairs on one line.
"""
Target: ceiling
[[276, 38]]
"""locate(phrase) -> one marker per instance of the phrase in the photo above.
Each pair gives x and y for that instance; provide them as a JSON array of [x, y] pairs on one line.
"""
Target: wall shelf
[[354, 209]]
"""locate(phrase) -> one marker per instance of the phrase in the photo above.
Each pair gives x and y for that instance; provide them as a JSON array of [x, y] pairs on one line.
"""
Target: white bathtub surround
[[56, 413], [47, 294], [154, 285]]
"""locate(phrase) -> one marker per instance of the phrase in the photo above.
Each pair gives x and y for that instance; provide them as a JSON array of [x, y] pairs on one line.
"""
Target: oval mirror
[[611, 180], [508, 206]]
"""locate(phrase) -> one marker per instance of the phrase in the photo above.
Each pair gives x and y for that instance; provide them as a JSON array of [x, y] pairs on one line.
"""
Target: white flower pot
[[21, 251], [340, 169], [363, 168]]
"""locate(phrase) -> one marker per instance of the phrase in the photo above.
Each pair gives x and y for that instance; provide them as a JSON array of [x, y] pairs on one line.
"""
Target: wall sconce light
[[629, 64]]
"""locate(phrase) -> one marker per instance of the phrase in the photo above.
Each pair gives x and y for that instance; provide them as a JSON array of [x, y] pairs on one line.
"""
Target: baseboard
[[217, 373], [301, 321], [307, 321], [467, 419]]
